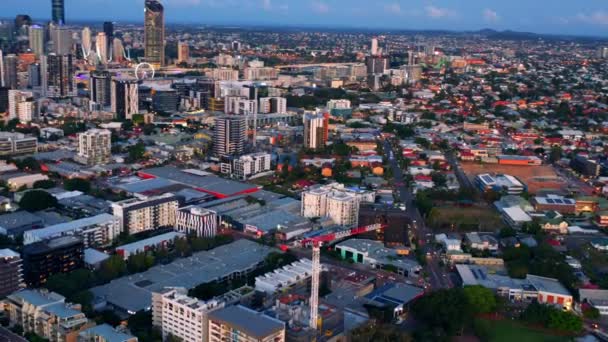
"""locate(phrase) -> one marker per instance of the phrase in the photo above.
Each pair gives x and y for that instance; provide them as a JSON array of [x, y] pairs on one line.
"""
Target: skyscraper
[[86, 42], [101, 47], [100, 86], [229, 135], [124, 97], [60, 76], [10, 71], [118, 51], [36, 37], [315, 131], [374, 49], [58, 12], [183, 52], [61, 37], [108, 29], [154, 34]]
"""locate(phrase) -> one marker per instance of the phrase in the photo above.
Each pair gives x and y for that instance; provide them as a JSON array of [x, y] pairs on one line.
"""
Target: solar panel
[[559, 201], [550, 201]]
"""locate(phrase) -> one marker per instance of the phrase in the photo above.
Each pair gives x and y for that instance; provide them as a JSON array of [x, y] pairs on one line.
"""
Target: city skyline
[[590, 19]]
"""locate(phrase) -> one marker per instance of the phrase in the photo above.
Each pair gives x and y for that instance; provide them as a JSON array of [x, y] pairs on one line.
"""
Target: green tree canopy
[[36, 200], [77, 184]]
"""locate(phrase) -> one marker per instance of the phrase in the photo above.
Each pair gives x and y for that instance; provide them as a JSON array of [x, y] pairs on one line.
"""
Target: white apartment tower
[[196, 220], [336, 202], [94, 146], [315, 131], [179, 315], [21, 105]]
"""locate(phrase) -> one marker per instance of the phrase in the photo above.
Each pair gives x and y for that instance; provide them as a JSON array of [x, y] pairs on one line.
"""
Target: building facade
[[316, 127], [45, 314], [196, 220], [17, 143], [99, 230], [11, 272], [247, 166], [43, 259], [336, 202], [21, 105], [154, 33], [240, 324], [179, 315], [146, 214], [94, 146], [124, 99], [229, 136]]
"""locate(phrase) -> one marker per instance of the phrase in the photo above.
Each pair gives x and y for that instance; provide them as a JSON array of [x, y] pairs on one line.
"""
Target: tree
[[114, 267], [28, 164], [136, 152], [590, 312], [446, 310], [507, 232], [481, 299], [77, 184], [556, 154], [44, 184], [439, 179], [36, 200]]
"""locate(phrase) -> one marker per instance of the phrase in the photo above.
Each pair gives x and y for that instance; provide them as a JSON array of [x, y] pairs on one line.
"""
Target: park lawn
[[509, 331], [465, 218]]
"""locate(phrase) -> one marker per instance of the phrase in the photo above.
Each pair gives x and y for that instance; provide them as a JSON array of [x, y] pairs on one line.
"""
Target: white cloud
[[270, 6], [320, 7], [490, 16], [597, 18], [439, 12], [393, 8]]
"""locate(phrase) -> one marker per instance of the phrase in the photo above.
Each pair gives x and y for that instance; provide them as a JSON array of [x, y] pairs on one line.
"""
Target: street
[[438, 278]]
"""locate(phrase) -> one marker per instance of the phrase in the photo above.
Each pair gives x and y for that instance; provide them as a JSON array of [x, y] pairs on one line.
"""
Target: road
[[573, 181], [438, 278], [460, 174]]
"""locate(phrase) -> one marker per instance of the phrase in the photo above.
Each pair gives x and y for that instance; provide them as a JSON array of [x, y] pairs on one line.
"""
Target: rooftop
[[248, 321], [134, 293], [107, 333]]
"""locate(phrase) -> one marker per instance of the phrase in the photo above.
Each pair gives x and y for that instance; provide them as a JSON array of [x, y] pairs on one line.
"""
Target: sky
[[580, 17]]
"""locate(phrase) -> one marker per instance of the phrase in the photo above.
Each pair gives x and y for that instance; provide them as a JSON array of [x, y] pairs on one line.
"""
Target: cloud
[[320, 7], [490, 16], [597, 18], [439, 12], [393, 8]]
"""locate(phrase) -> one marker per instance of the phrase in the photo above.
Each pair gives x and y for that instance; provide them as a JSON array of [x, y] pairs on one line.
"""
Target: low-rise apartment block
[[139, 215]]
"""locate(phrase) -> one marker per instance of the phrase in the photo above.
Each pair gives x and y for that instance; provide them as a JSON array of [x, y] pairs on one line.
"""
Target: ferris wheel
[[144, 71]]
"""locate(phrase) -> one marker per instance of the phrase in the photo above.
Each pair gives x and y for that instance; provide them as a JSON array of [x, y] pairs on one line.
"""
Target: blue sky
[[586, 17]]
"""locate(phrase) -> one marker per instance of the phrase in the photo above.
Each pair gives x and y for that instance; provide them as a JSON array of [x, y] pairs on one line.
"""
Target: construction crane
[[316, 243]]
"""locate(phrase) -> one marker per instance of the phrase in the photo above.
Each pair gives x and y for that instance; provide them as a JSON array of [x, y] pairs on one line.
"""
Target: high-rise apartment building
[[374, 49], [124, 97], [196, 220], [11, 272], [229, 136], [100, 88], [10, 71], [86, 42], [34, 77], [118, 51], [4, 91], [94, 146], [183, 52], [108, 29], [139, 215], [21, 105], [240, 105], [336, 202], [154, 33], [241, 324], [101, 47], [58, 12], [316, 130], [43, 259], [61, 37], [181, 316], [61, 74], [273, 105], [36, 38]]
